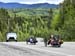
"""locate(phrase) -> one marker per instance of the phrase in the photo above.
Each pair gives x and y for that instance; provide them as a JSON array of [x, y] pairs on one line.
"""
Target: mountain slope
[[18, 5]]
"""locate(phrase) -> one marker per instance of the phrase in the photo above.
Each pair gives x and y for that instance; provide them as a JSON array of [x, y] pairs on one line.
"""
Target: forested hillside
[[26, 22], [68, 19], [65, 22], [40, 22], [20, 5]]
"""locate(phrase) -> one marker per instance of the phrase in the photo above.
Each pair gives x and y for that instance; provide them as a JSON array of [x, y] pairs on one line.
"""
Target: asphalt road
[[22, 49]]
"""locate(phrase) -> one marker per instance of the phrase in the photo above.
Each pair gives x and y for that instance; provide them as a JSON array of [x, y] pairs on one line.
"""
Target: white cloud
[[33, 1], [55, 1]]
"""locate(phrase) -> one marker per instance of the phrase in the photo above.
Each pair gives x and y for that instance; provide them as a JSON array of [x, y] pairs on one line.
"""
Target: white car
[[11, 36]]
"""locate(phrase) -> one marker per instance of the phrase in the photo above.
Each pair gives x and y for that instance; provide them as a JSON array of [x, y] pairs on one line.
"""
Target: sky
[[33, 1]]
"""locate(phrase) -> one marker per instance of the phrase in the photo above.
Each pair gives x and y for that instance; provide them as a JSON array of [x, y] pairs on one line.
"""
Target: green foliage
[[26, 22], [4, 16], [68, 14], [56, 22], [63, 23], [1, 37], [39, 22]]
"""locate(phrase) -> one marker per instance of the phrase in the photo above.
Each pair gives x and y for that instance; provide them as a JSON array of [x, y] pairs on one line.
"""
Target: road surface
[[22, 49]]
